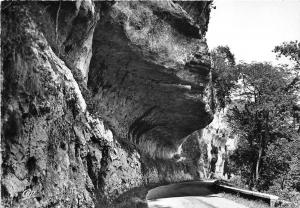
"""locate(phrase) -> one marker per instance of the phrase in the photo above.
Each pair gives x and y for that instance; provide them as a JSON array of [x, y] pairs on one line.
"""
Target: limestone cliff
[[220, 142], [98, 98]]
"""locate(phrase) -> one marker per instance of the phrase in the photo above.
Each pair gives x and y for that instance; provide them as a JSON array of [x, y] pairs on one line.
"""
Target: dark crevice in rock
[[9, 77], [35, 180], [141, 126], [63, 146], [91, 172], [104, 165], [31, 164], [4, 192], [199, 11], [13, 127], [72, 106], [97, 81]]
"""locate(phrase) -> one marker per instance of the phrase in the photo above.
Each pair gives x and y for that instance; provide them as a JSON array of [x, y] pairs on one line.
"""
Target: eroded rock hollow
[[99, 97]]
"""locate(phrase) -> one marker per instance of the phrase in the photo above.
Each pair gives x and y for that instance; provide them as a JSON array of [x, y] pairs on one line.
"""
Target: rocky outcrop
[[220, 142], [98, 98], [148, 75]]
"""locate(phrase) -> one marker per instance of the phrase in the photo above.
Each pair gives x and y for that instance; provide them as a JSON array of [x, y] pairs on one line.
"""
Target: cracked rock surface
[[98, 98], [148, 74]]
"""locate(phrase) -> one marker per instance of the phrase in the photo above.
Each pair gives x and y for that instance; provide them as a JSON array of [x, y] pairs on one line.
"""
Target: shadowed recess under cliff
[[70, 128], [149, 74]]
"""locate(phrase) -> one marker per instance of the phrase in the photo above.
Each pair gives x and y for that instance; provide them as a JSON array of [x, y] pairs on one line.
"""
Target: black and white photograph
[[150, 104]]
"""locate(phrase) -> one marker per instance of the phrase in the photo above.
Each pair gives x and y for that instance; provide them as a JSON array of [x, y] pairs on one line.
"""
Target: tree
[[223, 73], [290, 50], [262, 117]]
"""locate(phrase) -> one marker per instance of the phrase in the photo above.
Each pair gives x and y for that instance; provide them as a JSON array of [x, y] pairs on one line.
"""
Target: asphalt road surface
[[188, 195]]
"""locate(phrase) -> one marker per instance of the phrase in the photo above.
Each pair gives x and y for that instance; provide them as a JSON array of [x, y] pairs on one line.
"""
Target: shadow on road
[[195, 188]]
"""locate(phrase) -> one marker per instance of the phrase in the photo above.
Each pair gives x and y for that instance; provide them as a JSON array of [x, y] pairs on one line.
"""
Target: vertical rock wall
[[220, 141], [97, 99]]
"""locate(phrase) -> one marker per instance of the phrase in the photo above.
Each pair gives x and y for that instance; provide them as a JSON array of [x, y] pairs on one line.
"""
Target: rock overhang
[[149, 93], [149, 76]]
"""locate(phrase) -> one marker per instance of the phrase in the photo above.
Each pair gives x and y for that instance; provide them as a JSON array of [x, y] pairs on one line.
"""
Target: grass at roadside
[[254, 203], [248, 203]]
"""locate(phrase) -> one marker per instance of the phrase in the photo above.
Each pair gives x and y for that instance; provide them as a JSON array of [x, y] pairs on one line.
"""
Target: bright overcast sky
[[253, 28]]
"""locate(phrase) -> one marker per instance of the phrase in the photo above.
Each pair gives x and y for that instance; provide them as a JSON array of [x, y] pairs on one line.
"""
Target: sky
[[252, 29]]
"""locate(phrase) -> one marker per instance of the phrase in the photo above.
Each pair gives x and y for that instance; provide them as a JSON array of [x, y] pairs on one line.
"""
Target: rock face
[[148, 74], [97, 98], [220, 141]]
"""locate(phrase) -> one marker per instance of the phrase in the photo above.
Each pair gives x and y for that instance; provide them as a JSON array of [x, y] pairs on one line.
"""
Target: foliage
[[290, 50], [262, 121], [267, 156], [223, 73]]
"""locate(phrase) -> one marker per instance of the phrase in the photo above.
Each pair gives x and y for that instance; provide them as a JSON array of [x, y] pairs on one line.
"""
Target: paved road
[[188, 195]]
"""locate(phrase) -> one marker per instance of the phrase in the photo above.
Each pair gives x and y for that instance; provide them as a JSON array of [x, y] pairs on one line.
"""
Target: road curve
[[195, 194]]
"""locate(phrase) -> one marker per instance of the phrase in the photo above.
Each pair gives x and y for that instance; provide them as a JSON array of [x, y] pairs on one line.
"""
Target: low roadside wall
[[271, 199], [208, 187]]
